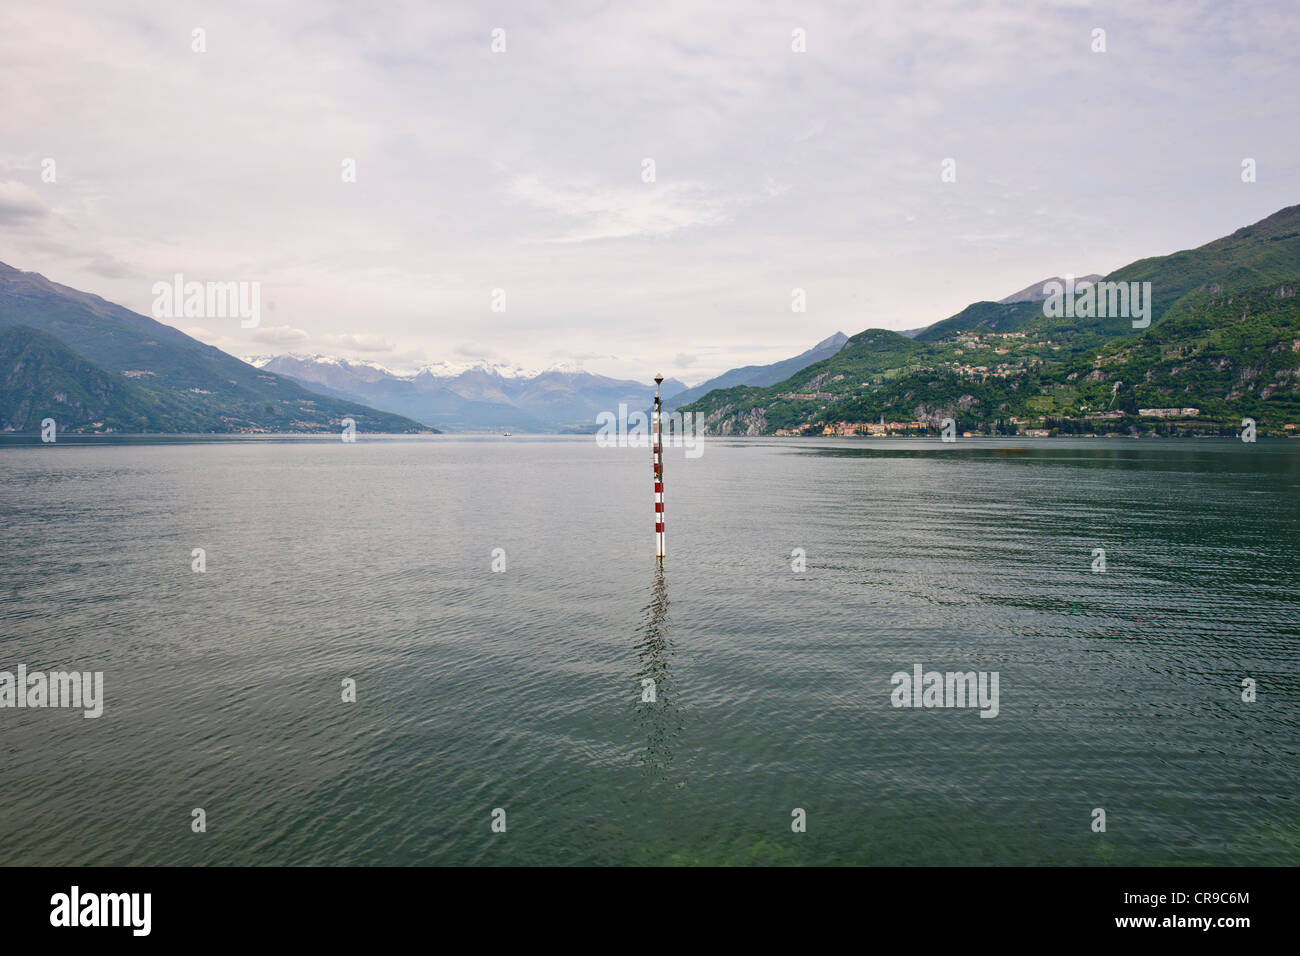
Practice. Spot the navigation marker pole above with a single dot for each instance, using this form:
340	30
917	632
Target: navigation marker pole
656	425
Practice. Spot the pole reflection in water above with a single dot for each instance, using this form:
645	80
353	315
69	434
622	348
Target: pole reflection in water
657	710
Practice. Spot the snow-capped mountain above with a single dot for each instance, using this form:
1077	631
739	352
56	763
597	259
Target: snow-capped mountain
502	370
476	396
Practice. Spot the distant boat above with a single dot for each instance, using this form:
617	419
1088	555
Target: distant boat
505	434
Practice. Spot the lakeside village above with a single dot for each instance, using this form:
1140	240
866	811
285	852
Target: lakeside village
1111	423
1148	423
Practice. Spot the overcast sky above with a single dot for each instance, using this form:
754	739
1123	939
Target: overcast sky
523	170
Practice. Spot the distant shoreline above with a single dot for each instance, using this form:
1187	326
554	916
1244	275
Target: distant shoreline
24	440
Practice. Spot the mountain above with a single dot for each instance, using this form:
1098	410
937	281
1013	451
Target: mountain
1230	355
41	378
760	375
1035	293
478	397
177	384
1252	257
422	397
873	356
1224	340
563	399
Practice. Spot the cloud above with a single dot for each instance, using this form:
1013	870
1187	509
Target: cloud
361	343
776	169
649	210
282	335
19	202
478	352
813	130
110	267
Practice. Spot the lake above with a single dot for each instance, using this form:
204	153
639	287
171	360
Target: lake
521	689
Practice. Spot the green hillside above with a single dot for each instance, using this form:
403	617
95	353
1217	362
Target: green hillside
191	386
990	316
1221	341
1229	355
40	378
1251	257
868	358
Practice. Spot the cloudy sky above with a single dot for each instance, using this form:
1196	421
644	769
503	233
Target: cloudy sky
524	170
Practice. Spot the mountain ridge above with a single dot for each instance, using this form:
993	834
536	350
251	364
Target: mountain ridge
191	386
1003	367
478	398
760	375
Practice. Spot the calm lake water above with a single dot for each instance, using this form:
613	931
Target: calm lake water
522	690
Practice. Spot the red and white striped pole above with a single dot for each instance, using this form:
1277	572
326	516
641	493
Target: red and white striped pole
657	428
